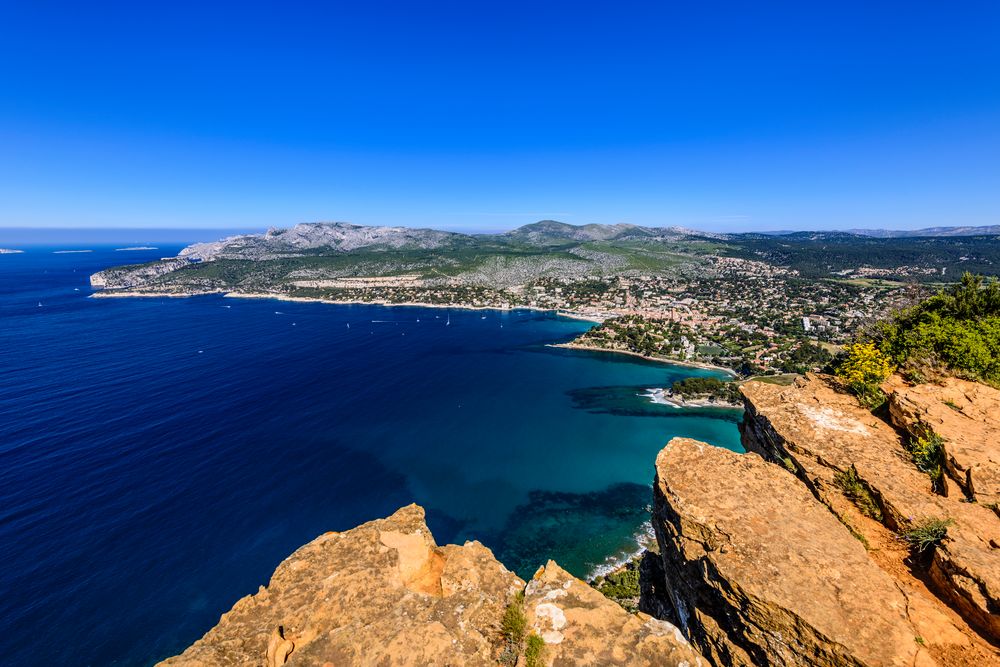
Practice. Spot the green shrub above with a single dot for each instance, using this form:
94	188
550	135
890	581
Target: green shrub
926	534
957	329
534	651
713	387
858	493
621	584
514	623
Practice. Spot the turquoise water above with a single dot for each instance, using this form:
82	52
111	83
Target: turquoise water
159	457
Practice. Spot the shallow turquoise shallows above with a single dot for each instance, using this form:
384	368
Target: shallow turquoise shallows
159	457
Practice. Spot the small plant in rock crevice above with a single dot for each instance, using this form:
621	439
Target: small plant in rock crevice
856	491
927	533
927	452
858	536
534	651
513	628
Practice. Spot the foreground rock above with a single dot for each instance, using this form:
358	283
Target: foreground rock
385	594
762	573
380	593
966	416
821	434
582	627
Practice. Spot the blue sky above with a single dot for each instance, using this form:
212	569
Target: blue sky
488	115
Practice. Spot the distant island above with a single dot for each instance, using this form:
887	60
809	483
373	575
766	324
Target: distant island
755	303
137	247
10	251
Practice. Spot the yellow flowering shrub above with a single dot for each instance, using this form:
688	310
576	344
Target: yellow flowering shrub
863	369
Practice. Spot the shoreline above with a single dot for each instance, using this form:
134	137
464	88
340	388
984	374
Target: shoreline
643	537
662	397
401	304
104	293
676	362
108	294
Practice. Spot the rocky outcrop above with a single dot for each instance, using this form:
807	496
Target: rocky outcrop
822	435
383	591
139	275
966	416
335	237
385	594
582	627
760	572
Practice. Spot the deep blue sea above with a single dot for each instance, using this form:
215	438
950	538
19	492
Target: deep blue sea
159	457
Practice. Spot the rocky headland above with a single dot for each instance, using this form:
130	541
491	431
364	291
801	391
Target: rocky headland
825	544
385	594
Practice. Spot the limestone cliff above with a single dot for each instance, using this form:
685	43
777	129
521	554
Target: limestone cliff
128	277
762	573
385	594
842	480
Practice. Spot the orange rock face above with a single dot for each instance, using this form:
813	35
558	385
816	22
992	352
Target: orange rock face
966	415
821	433
763	573
385	594
582	627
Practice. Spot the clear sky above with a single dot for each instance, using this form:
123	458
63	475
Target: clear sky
487	115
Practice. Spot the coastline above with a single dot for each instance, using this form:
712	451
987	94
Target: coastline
107	294
104	293
661	397
662	360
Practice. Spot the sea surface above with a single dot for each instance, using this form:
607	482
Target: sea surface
159	457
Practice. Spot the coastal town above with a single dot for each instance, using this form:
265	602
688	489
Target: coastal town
747	316
751	317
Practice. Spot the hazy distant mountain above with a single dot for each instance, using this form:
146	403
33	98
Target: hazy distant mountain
987	230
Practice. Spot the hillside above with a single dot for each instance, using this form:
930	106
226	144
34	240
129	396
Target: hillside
281	259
